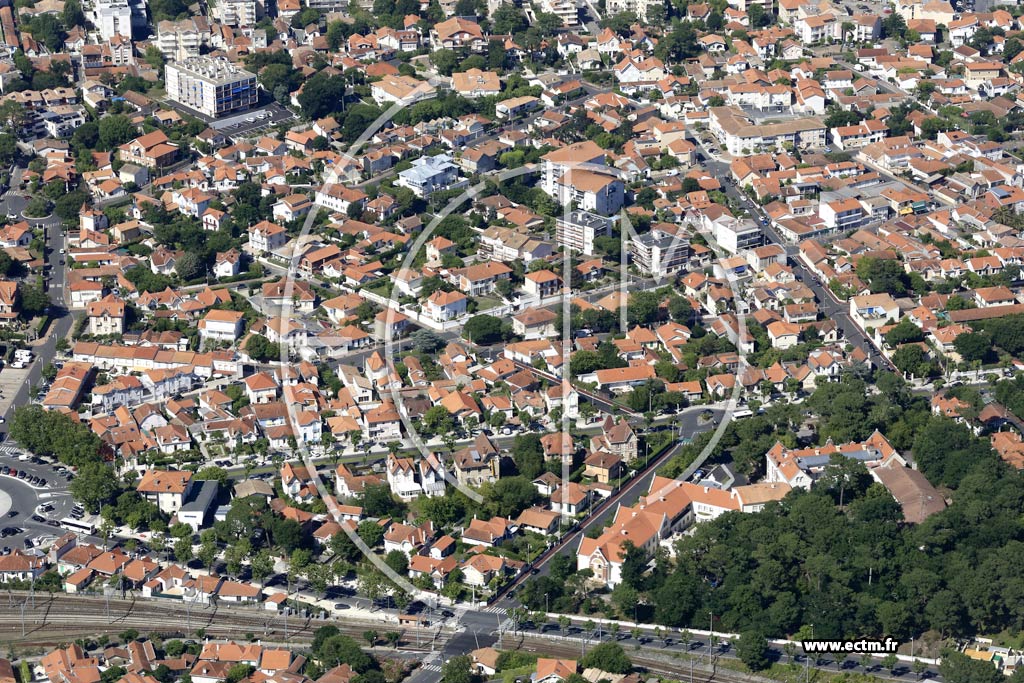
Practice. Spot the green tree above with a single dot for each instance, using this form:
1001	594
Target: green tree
341	649
608	657
322	95
262	349
753	650
115	130
509	496
457	670
398	562
371	533
94	485
72	14
528	455
974	346
904	332
183	550
444	61
485	329
262	566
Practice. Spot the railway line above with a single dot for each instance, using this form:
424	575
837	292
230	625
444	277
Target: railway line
656	664
64	618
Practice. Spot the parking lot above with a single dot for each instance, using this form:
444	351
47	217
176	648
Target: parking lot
254	122
30	511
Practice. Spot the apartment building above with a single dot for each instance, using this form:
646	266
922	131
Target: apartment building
112	18
860	135
578	230
238	12
560	161
638	7
841	215
179	40
741	136
734	234
212	86
601	193
658	253
566	10
106	316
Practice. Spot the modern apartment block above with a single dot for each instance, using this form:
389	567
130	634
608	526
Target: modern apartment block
239	12
658	253
112	18
180	40
212	86
578	230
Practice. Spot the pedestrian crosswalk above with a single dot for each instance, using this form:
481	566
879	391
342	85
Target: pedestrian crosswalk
494	609
432	667
7	449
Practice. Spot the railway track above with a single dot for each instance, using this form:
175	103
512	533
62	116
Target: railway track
64	618
657	664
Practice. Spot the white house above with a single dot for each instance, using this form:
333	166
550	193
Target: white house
221	325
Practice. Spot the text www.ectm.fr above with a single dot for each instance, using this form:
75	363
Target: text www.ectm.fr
861	646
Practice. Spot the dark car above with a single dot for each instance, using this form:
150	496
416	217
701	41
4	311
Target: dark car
42	482
38	518
12	513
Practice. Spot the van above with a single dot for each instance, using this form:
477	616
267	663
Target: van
742	412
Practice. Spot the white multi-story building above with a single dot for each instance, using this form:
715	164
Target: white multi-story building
112	18
408	479
212	86
638	7
658	253
734	234
238	12
560	161
601	193
566	10
179	40
579	229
